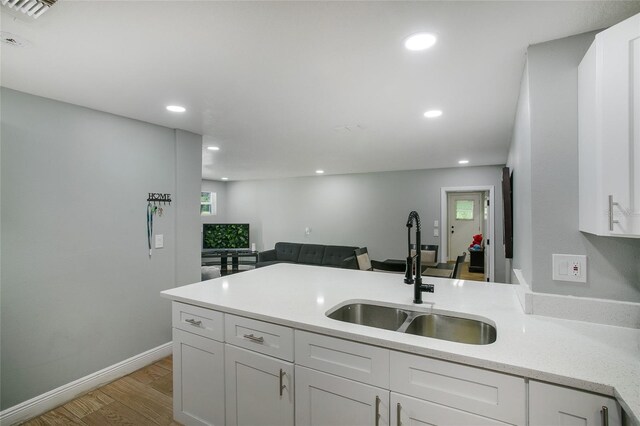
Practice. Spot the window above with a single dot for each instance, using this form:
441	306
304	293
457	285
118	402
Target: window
207	203
464	209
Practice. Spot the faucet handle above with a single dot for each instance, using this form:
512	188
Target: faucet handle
429	288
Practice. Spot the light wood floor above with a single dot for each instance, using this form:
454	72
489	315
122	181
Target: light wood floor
144	397
472	276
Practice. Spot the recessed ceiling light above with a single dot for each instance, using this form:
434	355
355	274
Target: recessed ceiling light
433	113
176	108
319	172
225	178
420	41
213	148
463	162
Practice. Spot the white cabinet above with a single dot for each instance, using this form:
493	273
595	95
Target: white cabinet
259	388
239	371
406	410
198	379
325	399
557	405
356	361
451	393
609	132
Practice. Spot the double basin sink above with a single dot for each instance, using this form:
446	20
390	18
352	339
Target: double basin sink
402	320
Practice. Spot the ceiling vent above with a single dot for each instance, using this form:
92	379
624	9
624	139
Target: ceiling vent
33	8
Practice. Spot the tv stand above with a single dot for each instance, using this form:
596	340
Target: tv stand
221	258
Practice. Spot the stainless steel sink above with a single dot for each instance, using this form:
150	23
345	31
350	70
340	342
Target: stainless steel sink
451	328
435	325
372	315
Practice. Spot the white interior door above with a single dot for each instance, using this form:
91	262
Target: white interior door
465	219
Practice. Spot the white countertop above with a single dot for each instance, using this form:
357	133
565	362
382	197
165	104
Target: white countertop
598	358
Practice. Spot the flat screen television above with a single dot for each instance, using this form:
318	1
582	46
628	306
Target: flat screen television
225	236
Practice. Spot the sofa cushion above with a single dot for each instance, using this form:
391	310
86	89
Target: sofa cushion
336	255
288	252
311	254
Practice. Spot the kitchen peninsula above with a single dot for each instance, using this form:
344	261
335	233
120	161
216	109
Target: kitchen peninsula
274	318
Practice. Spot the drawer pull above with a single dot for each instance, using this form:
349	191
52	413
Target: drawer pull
605	416
254	338
377	410
398	410
282	385
194	322
611	204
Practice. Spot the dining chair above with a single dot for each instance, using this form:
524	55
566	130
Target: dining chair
458	267
429	252
362	259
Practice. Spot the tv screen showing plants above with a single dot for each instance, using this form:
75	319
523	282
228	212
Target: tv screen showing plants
225	236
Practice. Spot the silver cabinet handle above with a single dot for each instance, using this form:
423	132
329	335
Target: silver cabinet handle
398	410
611	204
282	385
194	322
254	338
377	410
605	416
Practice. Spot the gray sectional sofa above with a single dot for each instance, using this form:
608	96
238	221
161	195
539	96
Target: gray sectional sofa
309	254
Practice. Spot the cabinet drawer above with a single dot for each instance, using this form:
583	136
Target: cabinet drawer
364	363
409	411
196	320
487	393
263	337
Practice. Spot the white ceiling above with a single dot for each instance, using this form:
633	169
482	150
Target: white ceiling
274	84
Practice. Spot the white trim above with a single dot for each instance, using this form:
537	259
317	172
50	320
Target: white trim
65	393
525	295
444	229
600	311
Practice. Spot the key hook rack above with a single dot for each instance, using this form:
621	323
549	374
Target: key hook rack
155	197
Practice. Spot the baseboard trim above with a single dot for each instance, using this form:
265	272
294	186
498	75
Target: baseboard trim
65	393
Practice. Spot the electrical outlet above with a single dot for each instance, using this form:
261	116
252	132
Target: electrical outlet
436	232
159	241
569	267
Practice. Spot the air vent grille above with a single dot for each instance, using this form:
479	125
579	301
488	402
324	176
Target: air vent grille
33	8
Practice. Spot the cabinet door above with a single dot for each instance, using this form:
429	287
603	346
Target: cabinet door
259	389
323	399
557	405
198	379
411	411
619	50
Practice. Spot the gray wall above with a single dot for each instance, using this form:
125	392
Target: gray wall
220	188
367	209
188	177
611	262
519	163
79	290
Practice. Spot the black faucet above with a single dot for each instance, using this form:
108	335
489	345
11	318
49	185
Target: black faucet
418	287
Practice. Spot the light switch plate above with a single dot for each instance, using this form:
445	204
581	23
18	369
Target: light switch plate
569	267
159	241
436	223
436	232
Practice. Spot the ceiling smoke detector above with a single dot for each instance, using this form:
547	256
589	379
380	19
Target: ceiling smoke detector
33	8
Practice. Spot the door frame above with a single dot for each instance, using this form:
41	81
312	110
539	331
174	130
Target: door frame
444	226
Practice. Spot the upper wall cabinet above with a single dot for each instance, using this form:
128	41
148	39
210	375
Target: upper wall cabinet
609	132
